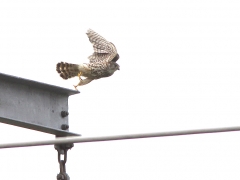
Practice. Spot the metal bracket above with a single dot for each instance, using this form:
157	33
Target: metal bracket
62	150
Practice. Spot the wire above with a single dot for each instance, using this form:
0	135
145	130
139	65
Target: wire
77	139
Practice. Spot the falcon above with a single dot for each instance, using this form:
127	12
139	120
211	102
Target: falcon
102	63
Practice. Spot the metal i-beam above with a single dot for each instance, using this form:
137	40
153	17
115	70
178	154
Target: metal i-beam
34	105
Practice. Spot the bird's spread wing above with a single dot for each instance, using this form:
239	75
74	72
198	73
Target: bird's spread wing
103	50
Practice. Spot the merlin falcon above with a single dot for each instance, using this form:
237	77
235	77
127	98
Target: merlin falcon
102	63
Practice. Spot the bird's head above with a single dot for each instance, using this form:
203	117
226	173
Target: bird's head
114	66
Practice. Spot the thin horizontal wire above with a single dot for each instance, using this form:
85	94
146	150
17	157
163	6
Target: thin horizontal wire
77	139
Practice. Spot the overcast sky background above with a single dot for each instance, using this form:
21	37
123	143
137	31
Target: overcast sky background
179	65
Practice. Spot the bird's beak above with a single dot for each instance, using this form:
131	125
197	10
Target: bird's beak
118	67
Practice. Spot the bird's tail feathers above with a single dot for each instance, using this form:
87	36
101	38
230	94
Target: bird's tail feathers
67	70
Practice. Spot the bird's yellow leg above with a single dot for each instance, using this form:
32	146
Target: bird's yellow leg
75	86
82	82
79	75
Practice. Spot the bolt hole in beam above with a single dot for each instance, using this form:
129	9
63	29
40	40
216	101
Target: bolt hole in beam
78	139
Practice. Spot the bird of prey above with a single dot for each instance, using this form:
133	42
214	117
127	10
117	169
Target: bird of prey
102	63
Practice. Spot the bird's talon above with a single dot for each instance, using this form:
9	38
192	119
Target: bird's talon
75	87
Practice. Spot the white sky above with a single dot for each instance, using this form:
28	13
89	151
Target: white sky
179	70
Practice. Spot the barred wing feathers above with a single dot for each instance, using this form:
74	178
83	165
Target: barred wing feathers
103	50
